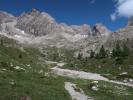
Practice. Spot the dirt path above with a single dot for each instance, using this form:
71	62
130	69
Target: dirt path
77	74
121	83
75	92
85	75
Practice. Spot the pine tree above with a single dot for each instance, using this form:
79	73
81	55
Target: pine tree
102	52
114	53
79	56
97	56
1	42
92	54
118	50
20	56
125	50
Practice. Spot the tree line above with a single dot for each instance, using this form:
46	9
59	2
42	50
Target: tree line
118	51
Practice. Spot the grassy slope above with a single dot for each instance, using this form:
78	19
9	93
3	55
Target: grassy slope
107	91
30	82
108	67
15	84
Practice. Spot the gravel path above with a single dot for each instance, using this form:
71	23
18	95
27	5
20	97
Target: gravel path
75	92
77	74
84	75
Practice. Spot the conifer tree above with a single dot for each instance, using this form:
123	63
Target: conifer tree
102	52
92	54
118	50
79	56
125	50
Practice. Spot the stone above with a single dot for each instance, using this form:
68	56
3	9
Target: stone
94	88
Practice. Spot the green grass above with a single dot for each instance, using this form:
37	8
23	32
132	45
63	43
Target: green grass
107	91
14	84
33	85
28	82
106	67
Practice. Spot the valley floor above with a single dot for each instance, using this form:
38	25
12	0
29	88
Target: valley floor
26	74
70	87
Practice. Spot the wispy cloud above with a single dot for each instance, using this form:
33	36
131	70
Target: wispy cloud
124	8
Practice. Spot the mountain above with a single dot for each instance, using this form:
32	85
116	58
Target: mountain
35	21
48	31
41	29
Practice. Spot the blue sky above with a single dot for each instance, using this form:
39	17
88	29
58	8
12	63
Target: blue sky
69	11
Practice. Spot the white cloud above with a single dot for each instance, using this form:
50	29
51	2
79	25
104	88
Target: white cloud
124	8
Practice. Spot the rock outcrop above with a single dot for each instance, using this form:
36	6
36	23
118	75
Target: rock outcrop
100	30
130	22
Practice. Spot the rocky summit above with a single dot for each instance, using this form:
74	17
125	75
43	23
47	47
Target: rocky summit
37	27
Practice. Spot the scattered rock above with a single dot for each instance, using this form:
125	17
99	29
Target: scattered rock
124	73
3	69
47	74
99	66
28	65
130	80
94	88
11	64
12	82
94	85
19	68
125	81
41	71
26	98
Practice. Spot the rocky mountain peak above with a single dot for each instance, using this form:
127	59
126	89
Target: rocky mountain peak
5	17
99	30
34	12
36	23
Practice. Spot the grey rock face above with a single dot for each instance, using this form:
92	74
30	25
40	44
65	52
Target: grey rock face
36	23
40	28
47	31
39	24
130	22
83	29
5	17
123	33
100	30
